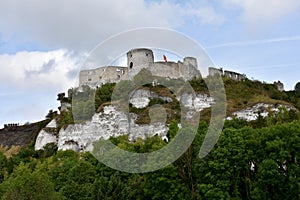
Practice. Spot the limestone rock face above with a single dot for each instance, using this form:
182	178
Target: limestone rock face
106	124
148	131
52	124
203	101
141	98
196	102
262	109
46	135
114	123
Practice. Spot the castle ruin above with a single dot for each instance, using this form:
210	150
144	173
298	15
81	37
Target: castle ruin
234	75
11	125
212	71
138	59
279	85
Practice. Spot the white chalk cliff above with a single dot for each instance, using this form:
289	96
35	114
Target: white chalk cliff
46	135
262	109
114	123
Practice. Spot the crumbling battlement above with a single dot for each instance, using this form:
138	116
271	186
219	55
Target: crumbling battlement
102	75
279	85
234	75
11	125
212	71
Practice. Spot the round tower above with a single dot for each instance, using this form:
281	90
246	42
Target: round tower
138	59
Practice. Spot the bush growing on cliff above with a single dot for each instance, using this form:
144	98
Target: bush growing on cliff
104	94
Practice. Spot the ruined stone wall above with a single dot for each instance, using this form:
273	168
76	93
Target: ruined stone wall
212	71
174	70
279	85
233	75
189	68
102	75
11	125
164	69
138	59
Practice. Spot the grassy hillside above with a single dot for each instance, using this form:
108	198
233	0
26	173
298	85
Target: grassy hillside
21	135
256	160
239	95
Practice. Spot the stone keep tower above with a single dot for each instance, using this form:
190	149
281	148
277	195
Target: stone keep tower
137	59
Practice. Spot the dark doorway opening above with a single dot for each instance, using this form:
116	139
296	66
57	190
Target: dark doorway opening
131	65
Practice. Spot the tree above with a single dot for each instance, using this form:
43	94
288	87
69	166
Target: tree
80	179
51	114
3	166
297	89
24	184
165	184
48	150
104	94
60	96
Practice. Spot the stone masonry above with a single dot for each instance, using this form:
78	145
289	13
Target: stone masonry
138	59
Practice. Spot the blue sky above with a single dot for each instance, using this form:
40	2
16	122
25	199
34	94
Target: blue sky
44	43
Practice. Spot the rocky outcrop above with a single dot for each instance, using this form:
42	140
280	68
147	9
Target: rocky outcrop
196	102
46	135
106	124
141	98
262	109
114	123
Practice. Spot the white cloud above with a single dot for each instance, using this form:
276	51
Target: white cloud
30	81
259	13
38	70
255	42
77	24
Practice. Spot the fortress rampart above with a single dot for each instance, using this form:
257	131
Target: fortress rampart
99	76
138	59
229	74
212	71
